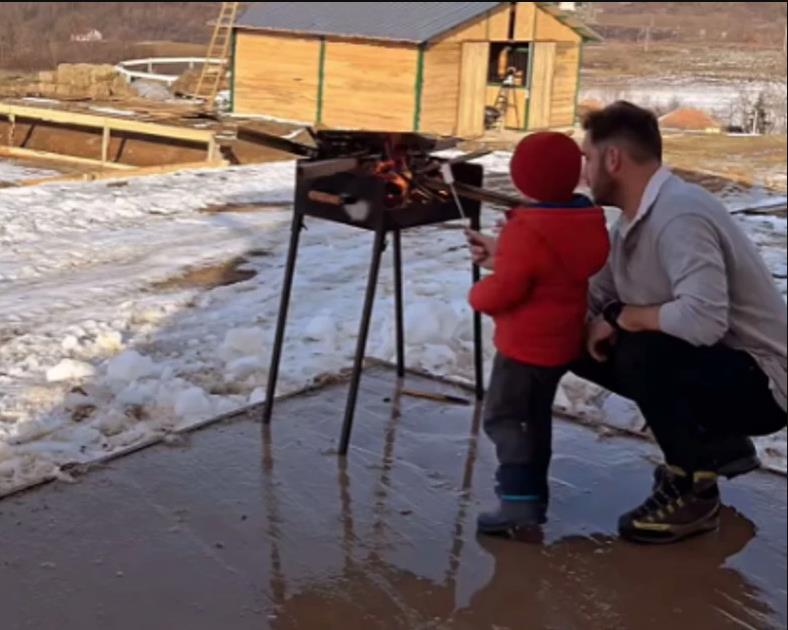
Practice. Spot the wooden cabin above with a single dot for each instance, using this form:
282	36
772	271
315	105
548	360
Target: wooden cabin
447	68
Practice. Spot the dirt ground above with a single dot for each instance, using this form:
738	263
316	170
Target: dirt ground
206	278
234	527
613	60
715	161
746	160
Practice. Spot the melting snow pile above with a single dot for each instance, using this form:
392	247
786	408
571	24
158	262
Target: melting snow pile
96	357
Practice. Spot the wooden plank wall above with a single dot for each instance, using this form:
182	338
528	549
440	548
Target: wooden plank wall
565	77
524	26
373	86
498	24
443	68
549	29
492	26
542	85
276	76
370	86
440	100
473	88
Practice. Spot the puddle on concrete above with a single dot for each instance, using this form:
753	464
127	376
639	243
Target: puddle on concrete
240	528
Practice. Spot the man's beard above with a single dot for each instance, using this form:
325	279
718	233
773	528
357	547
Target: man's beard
604	190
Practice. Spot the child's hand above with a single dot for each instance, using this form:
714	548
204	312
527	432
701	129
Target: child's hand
601	338
482	248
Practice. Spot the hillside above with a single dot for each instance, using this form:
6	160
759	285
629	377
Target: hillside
727	41
124	24
759	24
23	45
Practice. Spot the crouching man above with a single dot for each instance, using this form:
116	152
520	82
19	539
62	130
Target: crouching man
685	320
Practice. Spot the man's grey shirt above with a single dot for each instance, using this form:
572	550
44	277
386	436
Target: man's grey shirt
685	252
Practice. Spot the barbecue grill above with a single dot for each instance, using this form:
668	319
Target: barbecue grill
384	183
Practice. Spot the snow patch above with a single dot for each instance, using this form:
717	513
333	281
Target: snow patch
79	265
70	370
131	366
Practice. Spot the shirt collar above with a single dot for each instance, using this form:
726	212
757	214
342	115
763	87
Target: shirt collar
650	196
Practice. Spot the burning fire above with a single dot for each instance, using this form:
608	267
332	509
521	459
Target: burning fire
398	179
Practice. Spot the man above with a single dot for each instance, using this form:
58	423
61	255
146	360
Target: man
685	320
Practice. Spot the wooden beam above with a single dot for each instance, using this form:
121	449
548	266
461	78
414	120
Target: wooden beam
124	174
17	152
213	154
43	114
11	129
105	139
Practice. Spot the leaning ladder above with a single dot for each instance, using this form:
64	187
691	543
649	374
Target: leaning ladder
215	66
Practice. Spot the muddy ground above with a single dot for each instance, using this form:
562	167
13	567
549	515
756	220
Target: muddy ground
239	529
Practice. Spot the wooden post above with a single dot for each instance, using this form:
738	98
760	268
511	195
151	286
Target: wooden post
105	139
11	129
212	150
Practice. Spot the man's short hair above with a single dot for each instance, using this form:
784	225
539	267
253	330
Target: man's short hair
623	121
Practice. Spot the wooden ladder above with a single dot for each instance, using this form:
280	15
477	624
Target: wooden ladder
506	101
218	56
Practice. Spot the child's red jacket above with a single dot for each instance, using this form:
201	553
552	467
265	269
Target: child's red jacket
538	294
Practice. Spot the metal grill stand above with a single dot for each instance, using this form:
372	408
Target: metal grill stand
381	221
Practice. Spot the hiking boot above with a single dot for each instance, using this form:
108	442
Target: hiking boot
680	506
513	515
731	456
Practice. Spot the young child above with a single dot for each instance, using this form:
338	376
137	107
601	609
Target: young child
545	256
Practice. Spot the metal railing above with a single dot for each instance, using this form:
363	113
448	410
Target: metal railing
127	68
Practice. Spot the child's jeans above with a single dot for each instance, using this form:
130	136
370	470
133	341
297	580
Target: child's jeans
518	419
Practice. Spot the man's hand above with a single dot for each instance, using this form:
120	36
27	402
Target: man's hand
482	248
601	337
637	319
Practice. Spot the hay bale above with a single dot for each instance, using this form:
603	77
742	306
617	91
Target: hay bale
99	91
64	73
70	92
103	73
47	76
45	90
120	87
187	82
77	75
74	75
63	90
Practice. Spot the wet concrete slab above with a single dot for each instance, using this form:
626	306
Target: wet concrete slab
241	529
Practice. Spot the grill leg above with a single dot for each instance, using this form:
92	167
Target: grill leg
478	350
398	299
366	317
276	355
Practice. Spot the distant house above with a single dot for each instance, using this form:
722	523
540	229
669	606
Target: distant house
88	36
690	119
434	67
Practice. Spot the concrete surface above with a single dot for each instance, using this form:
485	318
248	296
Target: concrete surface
237	529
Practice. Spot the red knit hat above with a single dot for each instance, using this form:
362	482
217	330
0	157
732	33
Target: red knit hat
546	166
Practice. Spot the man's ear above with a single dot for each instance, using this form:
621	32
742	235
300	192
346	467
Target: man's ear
613	159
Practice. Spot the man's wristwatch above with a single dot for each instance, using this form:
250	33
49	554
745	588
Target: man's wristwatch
612	313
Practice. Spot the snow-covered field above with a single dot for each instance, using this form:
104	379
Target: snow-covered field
95	356
723	99
11	172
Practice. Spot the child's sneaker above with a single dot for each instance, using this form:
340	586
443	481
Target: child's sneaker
513	515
